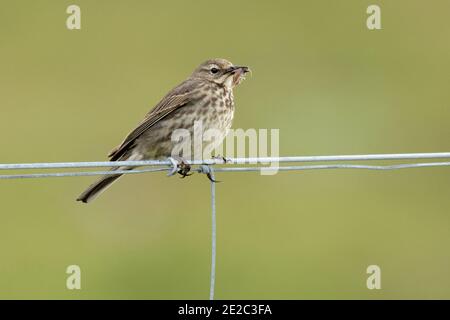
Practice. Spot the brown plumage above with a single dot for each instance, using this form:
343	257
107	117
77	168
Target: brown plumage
206	96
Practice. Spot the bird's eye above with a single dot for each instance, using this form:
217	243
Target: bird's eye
214	70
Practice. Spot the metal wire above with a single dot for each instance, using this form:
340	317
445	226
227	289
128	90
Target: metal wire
78	174
205	166
163	165
336	166
213	235
261	160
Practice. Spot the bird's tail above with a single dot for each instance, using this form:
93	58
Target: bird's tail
98	187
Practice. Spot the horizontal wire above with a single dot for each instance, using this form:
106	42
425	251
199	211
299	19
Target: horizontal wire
335	166
78	174
260	160
235	169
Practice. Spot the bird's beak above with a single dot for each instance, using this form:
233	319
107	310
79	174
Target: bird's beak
238	73
239	69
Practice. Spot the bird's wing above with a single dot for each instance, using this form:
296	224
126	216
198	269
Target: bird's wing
175	99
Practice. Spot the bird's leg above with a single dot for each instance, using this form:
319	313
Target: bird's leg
179	165
184	169
219	157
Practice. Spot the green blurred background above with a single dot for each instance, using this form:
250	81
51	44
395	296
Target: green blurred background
319	75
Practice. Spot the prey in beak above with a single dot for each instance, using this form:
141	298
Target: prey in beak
238	73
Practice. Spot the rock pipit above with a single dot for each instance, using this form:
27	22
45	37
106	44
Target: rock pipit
205	97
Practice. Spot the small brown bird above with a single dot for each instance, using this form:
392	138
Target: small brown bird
206	96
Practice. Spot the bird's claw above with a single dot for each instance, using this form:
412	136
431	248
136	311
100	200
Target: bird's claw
179	166
184	169
219	157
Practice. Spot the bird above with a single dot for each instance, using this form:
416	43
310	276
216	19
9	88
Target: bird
206	96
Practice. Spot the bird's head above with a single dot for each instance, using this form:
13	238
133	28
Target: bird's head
221	71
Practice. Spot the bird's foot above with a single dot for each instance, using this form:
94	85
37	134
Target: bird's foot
219	157
179	165
184	169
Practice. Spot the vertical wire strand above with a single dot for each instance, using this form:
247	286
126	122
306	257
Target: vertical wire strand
213	235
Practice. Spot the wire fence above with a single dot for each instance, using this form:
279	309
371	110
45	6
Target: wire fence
212	166
162	165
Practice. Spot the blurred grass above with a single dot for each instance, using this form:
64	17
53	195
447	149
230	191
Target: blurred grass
330	86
